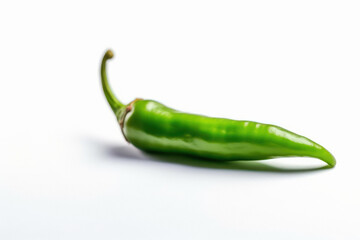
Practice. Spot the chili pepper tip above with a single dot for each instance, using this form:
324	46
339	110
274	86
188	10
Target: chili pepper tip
109	54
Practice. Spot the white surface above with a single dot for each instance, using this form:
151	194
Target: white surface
67	173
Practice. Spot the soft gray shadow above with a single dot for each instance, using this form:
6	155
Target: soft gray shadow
121	152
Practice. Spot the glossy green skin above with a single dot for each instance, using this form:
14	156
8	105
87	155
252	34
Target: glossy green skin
152	126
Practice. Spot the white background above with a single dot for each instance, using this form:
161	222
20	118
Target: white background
67	173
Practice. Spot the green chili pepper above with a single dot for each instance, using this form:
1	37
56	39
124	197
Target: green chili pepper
151	126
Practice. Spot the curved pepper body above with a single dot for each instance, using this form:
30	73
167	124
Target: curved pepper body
151	126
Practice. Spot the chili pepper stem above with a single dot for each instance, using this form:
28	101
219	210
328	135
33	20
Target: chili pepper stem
114	103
